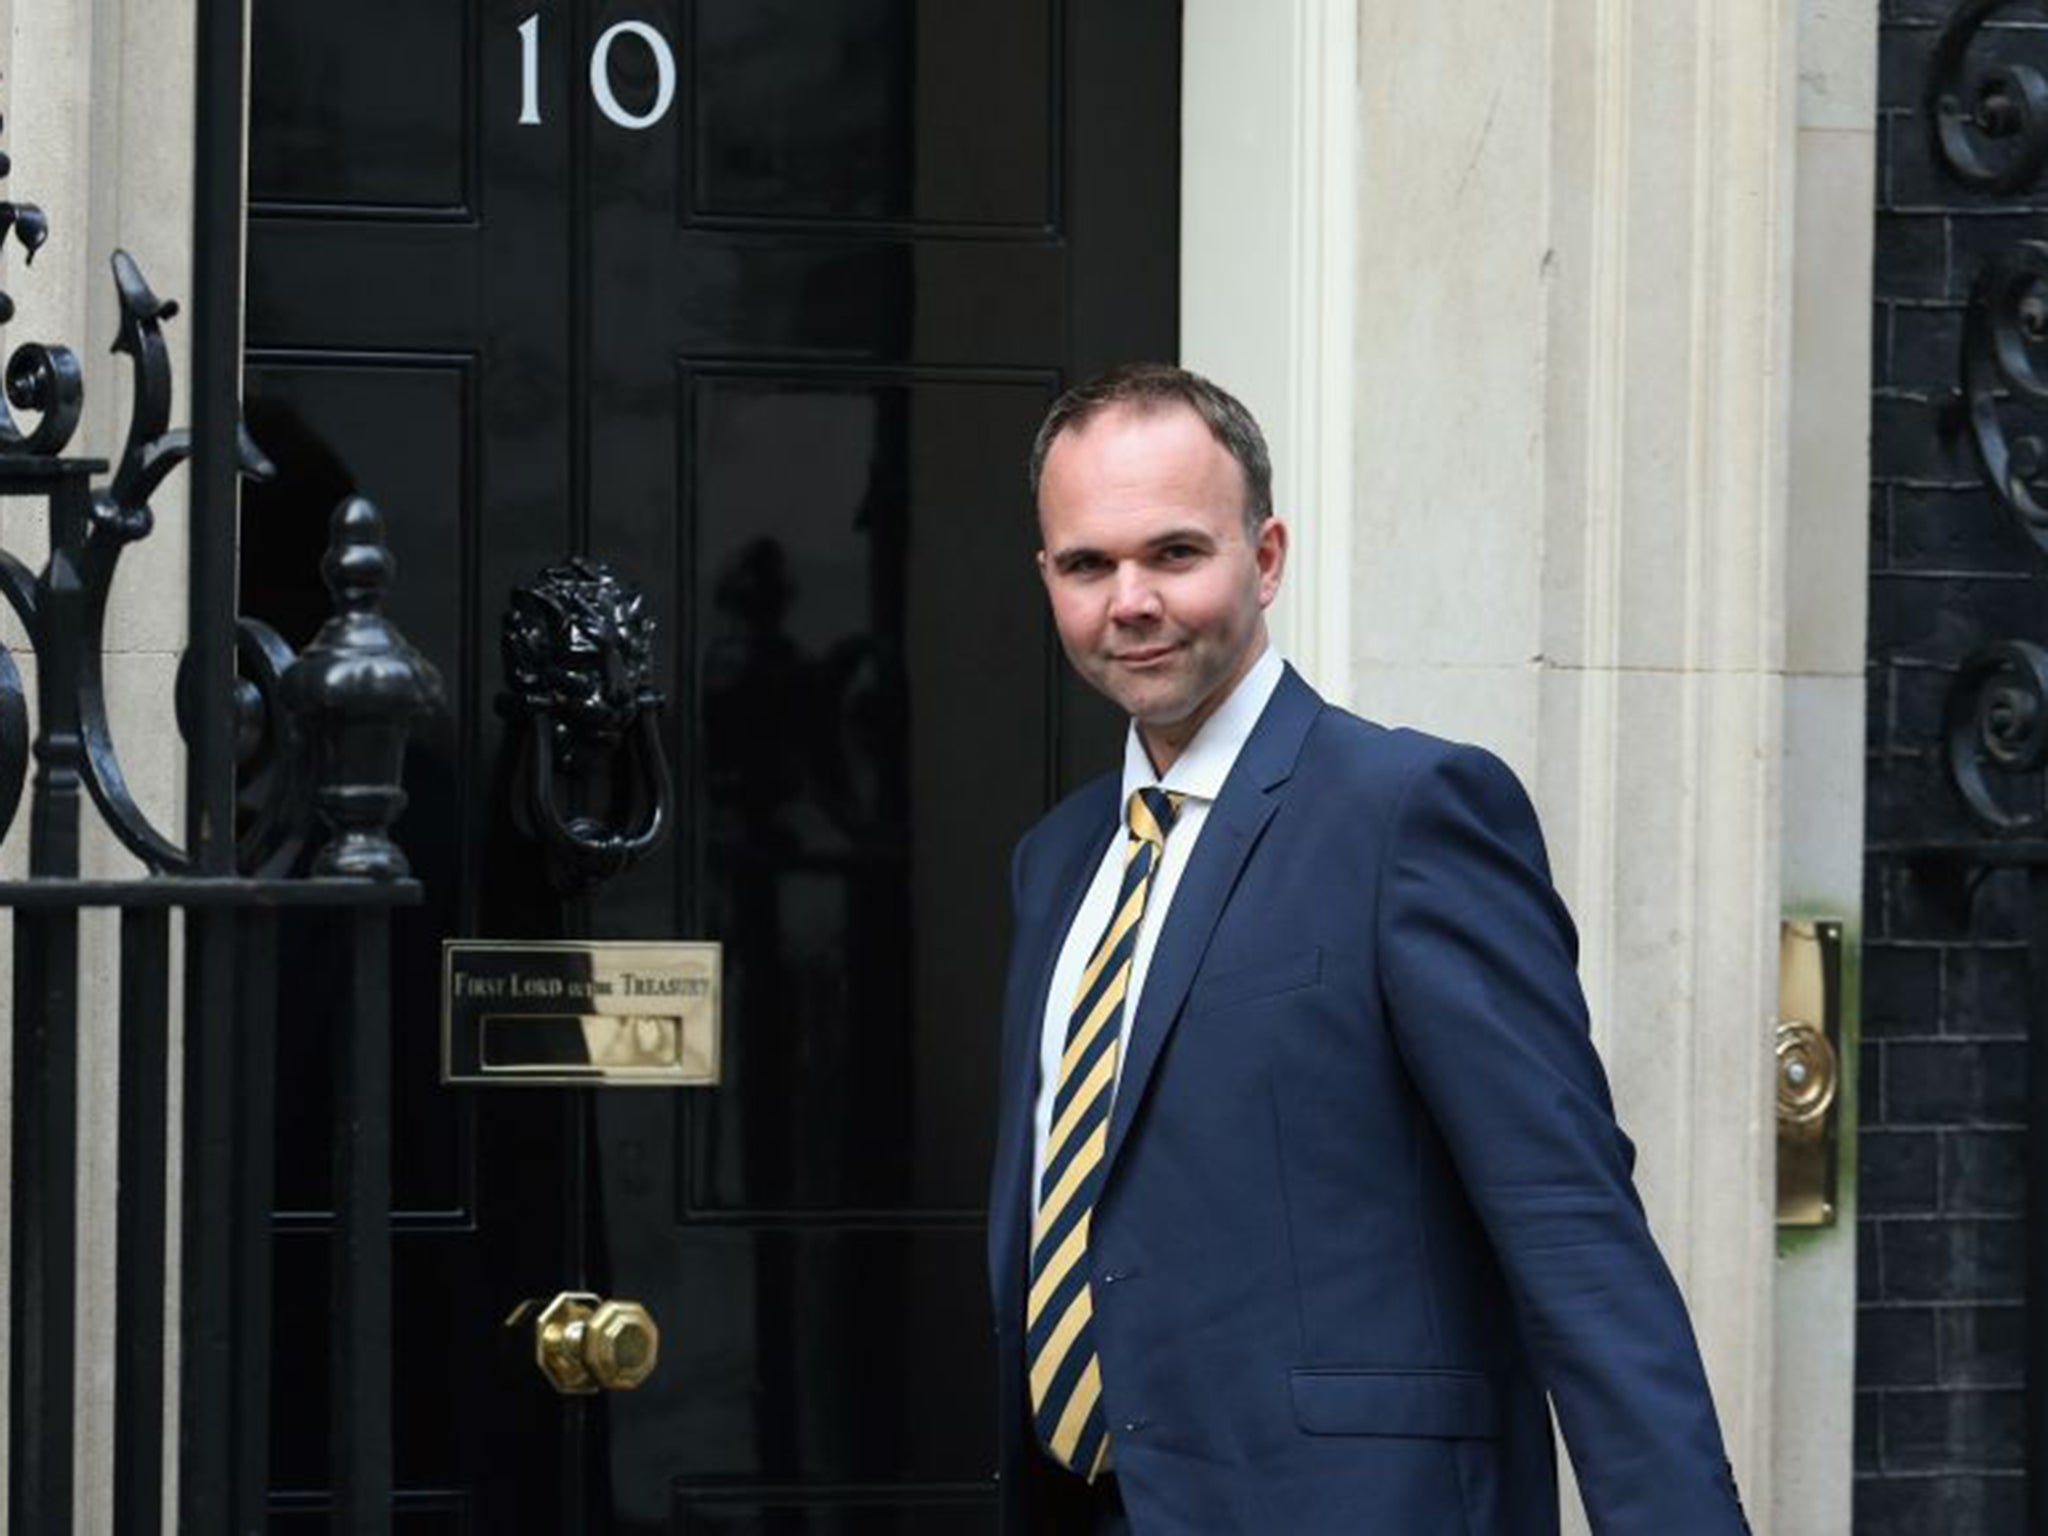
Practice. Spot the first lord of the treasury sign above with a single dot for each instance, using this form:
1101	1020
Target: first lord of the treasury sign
560	1013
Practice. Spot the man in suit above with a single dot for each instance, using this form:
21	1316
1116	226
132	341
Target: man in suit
1308	1194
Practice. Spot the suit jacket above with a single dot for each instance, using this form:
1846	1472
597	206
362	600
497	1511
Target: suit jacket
1366	1204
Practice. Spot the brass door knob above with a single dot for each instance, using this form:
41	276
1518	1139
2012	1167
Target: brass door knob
584	1344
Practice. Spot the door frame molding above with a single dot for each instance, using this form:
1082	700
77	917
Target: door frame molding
1269	277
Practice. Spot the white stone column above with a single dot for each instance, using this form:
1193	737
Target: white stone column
1565	528
1611	302
1570	536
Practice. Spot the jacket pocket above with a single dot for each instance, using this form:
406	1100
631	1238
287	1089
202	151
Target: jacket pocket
1425	1404
1262	978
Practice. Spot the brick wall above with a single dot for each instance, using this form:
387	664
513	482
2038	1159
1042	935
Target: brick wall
1938	1371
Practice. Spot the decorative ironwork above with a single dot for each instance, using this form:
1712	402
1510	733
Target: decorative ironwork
357	690
39	378
1997	720
578	648
1988	117
271	789
2005	376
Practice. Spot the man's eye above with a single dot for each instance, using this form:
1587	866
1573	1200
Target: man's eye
1179	554
1085	565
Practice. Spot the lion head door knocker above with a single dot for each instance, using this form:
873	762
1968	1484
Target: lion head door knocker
591	784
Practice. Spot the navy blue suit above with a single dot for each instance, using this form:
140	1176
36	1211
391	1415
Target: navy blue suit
1366	1203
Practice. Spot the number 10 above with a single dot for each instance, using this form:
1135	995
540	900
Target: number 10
600	73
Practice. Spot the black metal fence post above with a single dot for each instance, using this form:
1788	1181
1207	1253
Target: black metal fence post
140	1296
44	1235
360	1410
214	1481
217	217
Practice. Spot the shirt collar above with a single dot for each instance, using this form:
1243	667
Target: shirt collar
1200	770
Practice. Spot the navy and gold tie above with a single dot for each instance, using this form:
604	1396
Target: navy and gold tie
1066	1377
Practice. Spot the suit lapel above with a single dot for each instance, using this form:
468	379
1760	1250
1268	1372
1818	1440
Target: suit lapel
1012	1195
1075	872
1251	794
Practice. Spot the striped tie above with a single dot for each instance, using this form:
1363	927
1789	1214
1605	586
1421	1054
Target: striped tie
1066	1377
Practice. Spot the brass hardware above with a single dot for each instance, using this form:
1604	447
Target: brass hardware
555	1013
1807	1078
1808	1034
584	1344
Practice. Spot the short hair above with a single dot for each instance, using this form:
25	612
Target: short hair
1148	387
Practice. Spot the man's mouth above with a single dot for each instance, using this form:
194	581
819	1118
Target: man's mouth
1144	656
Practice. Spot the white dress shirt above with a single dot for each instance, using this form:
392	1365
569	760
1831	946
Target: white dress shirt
1197	773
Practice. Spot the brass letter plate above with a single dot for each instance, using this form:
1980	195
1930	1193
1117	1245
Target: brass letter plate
560	1014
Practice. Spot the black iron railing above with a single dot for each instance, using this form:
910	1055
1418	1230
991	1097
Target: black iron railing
278	746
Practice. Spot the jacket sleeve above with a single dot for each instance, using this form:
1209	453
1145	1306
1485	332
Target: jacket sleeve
1479	972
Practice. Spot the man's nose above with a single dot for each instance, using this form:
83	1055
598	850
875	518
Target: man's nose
1135	599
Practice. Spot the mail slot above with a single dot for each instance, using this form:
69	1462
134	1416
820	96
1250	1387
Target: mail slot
556	1013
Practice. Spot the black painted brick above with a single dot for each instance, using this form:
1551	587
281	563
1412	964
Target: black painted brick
1880	526
1921	438
1926	900
1911	798
1869	1405
1961	1428
1980	1346
1946	619
1901	990
1964	531
1912	256
1925	348
1984	1172
1946	1504
1900	1173
1903	54
1976	241
1985	991
1879	686
1954	1082
1896	1347
1952	1259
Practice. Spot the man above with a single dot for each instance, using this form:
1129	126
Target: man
1308	1188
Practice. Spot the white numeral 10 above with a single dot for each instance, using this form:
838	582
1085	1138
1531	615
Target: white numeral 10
601	73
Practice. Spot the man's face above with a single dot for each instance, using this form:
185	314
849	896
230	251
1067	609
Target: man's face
1158	588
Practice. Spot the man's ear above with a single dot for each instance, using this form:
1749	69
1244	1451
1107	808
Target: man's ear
1044	571
1270	551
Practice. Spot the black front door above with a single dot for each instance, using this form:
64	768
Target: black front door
759	301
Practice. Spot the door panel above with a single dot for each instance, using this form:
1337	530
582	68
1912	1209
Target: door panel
777	356
886	111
